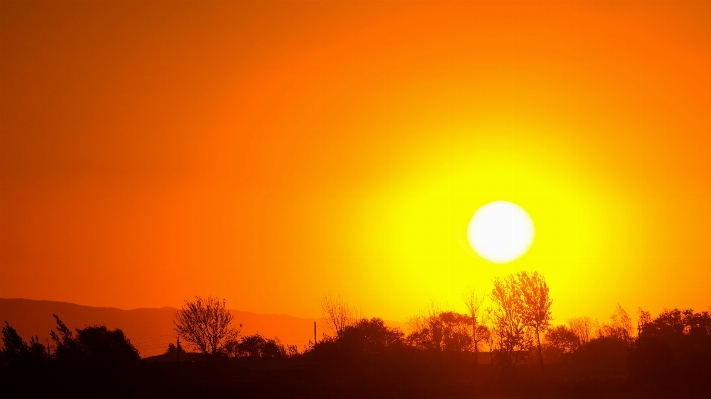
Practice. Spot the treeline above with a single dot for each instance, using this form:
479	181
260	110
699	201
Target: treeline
85	362
514	329
503	333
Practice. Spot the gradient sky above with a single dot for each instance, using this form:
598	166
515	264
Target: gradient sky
270	152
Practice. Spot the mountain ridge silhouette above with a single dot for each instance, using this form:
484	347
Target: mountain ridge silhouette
149	329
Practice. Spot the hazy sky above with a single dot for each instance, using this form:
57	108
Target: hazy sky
269	152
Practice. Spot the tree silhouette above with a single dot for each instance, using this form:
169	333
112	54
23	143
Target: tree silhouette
443	332
480	332
67	349
510	319
173	349
206	324
337	315
562	339
643	317
537	305
23	367
366	342
103	360
14	346
675	346
619	328
492	333
257	346
369	338
583	328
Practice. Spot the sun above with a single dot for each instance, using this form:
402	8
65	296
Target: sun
500	231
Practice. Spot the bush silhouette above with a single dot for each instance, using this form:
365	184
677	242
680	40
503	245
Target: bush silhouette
96	359
257	346
366	339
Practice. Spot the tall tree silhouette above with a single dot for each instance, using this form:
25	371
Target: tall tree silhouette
537	305
480	332
510	319
206	324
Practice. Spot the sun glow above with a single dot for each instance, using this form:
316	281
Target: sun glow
500	231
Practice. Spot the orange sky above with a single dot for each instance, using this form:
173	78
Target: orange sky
269	152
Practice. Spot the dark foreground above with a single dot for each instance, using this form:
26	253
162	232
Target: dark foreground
306	378
299	378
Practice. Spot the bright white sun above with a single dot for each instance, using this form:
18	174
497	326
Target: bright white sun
500	231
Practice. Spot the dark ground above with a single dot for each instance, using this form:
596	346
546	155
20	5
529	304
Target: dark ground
301	378
386	378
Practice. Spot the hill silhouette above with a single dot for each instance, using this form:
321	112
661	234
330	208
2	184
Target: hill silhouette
149	329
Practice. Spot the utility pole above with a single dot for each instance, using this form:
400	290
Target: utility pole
177	362
49	354
314	334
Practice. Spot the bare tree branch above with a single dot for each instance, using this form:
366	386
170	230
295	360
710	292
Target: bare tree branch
205	324
474	302
337	315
